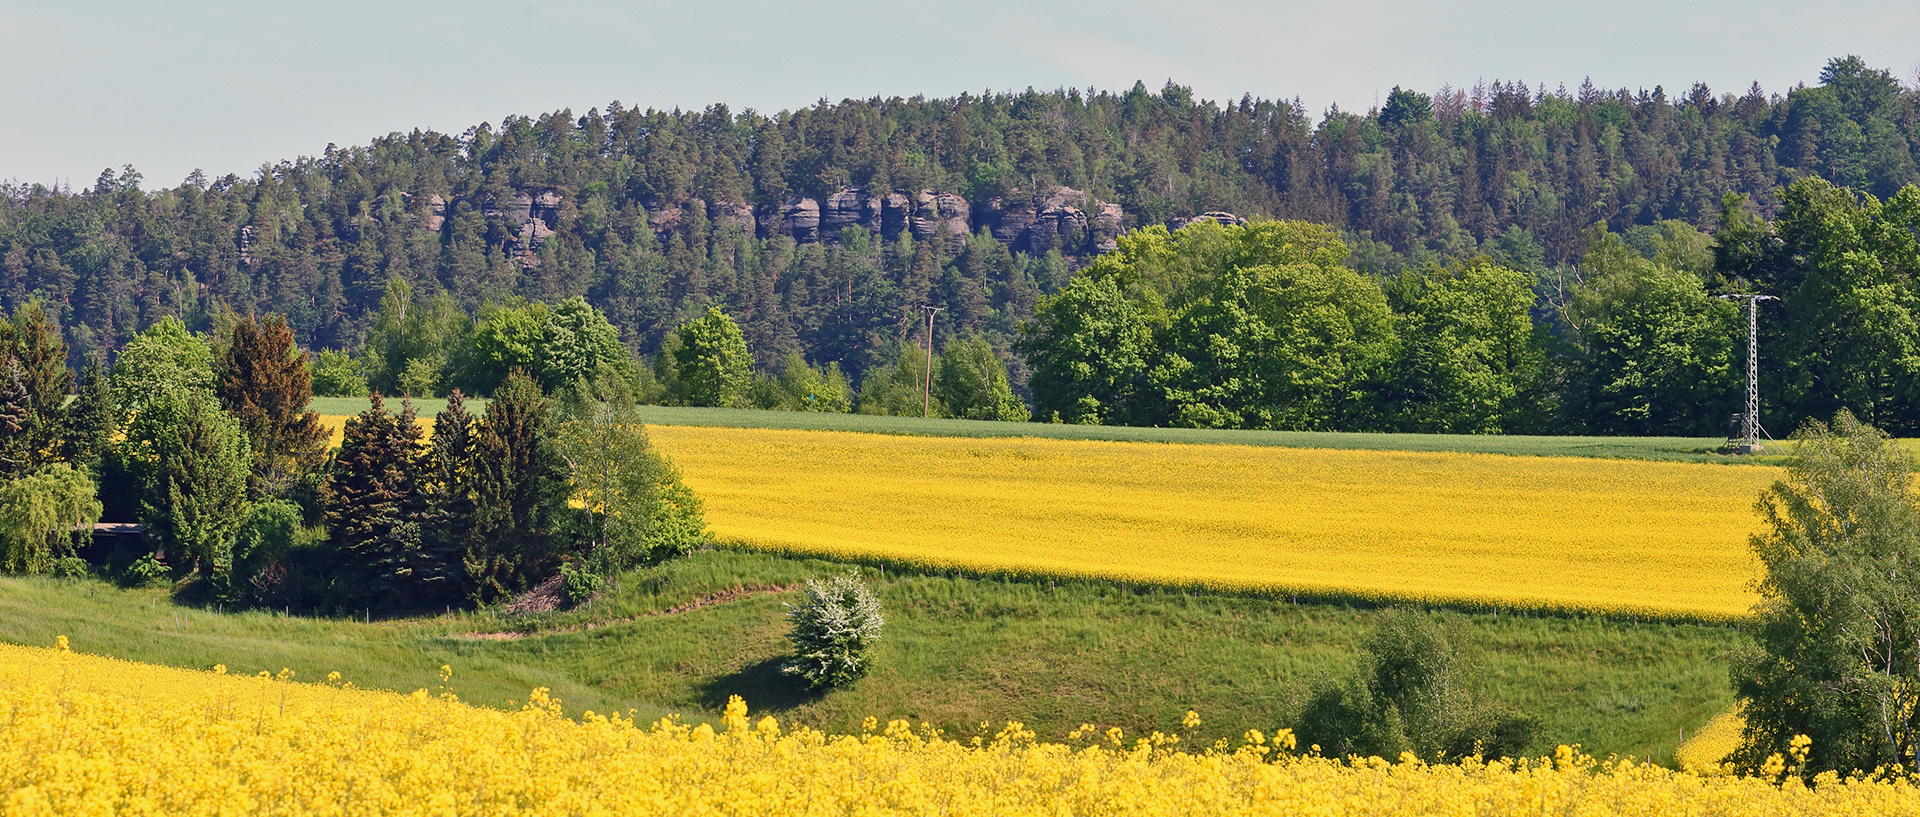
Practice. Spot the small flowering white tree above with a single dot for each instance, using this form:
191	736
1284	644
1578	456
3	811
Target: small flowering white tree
832	629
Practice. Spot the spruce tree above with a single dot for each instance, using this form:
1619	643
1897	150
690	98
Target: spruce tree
450	478
265	384
190	459
33	340
519	490
89	421
16	421
374	507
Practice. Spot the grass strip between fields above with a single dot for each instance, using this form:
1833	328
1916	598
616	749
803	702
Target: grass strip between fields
1680	449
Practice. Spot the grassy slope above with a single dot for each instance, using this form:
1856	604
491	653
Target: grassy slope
957	651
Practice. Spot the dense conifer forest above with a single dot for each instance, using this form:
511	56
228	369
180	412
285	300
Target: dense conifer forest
822	231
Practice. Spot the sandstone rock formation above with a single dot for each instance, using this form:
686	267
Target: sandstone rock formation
1055	217
851	207
1052	219
801	219
436	213
933	210
732	214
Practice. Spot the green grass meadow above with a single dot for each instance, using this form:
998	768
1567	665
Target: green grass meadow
957	652
965	653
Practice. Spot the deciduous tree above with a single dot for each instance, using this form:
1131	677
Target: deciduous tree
1655	354
165	358
634	508
972	383
191	461
712	360
1838	624
40	516
1470	355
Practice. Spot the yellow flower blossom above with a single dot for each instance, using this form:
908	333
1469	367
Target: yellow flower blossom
84	735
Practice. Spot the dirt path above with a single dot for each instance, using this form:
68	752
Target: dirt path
708	600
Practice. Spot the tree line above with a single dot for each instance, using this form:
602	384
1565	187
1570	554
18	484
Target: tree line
209	442
1267	326
639	211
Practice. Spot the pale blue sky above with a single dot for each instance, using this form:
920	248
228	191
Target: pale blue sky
227	86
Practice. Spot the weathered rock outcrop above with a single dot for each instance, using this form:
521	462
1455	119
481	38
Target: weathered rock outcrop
436	213
535	212
1052	219
933	210
801	219
724	213
851	207
1058	217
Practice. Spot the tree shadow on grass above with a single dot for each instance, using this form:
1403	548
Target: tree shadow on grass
761	685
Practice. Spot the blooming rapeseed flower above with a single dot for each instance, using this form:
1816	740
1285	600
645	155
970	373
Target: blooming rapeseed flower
82	734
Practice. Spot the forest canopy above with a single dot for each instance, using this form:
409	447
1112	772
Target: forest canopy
823	231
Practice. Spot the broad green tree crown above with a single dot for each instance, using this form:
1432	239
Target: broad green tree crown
712	360
1838	624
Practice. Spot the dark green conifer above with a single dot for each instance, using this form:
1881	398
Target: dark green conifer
89	420
520	488
374	507
451	474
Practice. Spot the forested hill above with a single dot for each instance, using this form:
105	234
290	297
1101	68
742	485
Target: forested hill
979	204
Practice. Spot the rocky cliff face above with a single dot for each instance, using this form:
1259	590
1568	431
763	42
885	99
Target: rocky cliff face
538	213
1059	218
1054	219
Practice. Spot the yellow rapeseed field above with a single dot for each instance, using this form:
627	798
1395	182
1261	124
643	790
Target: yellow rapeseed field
1618	536
1703	751
81	735
336	425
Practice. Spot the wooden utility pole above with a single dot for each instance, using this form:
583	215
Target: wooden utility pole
926	385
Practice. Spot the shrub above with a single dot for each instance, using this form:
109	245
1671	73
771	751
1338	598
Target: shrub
832	629
145	571
1413	692
580	581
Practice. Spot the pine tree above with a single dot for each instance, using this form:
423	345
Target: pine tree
519	489
265	384
374	506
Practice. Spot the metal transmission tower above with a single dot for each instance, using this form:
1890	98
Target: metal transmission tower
1750	421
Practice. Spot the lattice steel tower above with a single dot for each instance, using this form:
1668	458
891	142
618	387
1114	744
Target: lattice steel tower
1750	421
